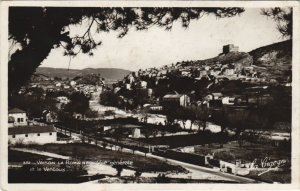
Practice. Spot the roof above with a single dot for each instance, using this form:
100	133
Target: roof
116	125
30	129
131	126
217	94
173	96
16	110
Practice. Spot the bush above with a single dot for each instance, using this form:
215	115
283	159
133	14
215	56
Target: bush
162	178
225	155
91	114
19	143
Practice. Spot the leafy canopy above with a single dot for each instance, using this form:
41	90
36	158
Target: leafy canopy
40	29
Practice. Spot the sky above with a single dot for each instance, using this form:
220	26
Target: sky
156	47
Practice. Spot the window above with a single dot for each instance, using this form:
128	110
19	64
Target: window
26	135
22	120
38	134
50	133
19	119
13	136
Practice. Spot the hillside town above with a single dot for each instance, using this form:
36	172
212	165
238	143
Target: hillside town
210	75
212	114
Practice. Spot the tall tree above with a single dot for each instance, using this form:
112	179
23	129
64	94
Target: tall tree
37	30
220	118
79	103
182	114
238	122
203	114
283	17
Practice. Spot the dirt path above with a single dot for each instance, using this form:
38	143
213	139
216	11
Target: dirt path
43	153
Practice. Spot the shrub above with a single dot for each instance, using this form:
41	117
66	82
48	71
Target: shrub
225	155
162	178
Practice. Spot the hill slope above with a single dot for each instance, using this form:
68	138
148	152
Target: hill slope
276	58
272	61
107	73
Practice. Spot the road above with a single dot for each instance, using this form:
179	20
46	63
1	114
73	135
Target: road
197	170
200	169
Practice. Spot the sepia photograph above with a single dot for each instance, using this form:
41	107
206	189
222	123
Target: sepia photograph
137	94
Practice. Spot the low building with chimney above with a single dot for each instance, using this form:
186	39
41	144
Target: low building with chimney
32	134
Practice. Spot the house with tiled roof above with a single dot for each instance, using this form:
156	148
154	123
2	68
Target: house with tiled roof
32	134
175	100
17	117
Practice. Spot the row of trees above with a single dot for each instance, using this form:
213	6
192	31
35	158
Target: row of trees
127	99
37	101
34	106
196	115
245	123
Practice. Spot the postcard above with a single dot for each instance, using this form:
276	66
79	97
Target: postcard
150	95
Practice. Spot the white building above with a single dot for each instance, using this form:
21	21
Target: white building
136	133
228	71
18	117
185	73
150	92
63	99
32	134
131	79
51	117
176	100
143	84
58	84
207	68
228	100
213	96
72	83
117	89
128	86
217	95
66	86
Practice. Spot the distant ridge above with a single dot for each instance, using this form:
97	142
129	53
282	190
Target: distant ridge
107	73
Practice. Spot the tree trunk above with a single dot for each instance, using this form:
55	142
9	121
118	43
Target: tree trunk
204	126
183	123
191	125
222	136
222	128
23	63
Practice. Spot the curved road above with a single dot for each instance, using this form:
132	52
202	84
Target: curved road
190	167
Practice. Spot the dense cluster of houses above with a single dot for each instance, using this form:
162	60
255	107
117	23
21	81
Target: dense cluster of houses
56	84
216	100
214	72
244	71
